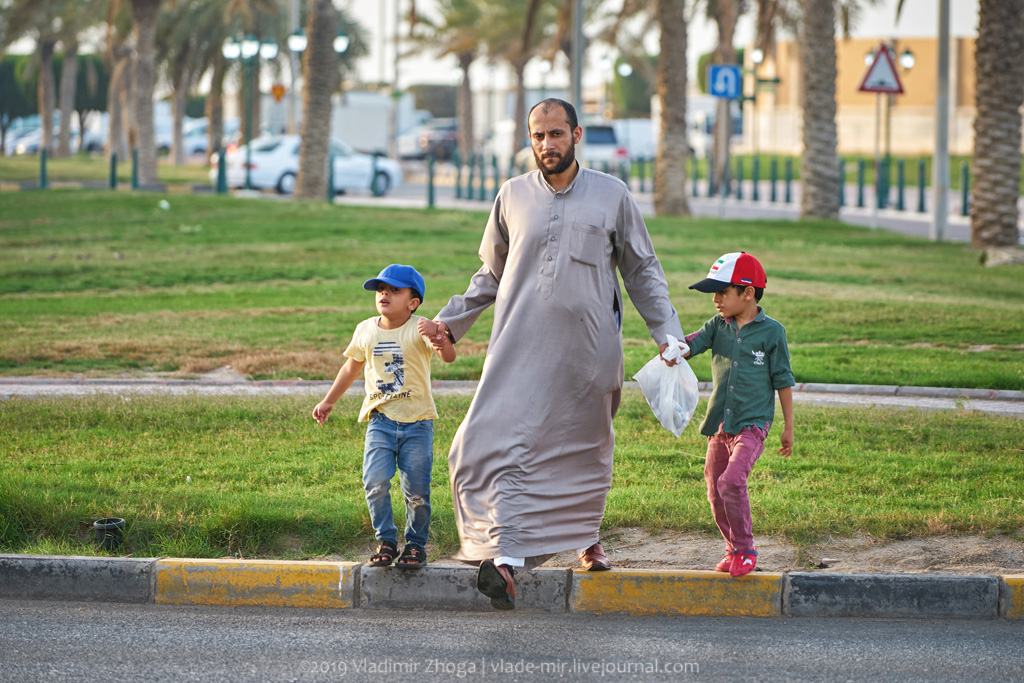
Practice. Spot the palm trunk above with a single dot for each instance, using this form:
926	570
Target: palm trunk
68	81
144	12
320	74
215	105
464	105
47	95
181	88
997	127
673	151
726	15
820	163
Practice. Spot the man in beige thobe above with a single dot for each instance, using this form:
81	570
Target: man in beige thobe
531	464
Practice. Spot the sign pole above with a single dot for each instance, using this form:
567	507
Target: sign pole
878	159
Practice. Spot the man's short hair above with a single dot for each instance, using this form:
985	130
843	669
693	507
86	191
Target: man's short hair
570	111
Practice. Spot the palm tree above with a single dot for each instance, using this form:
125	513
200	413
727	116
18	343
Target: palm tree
673	150
144	13
321	76
820	160
997	126
119	60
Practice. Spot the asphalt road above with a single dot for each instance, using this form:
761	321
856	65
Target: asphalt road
65	641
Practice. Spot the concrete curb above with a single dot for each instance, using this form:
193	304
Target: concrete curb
351	585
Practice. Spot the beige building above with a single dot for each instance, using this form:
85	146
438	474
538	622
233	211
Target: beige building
773	123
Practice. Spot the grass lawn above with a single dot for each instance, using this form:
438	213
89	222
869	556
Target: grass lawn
103	284
200	477
106	284
95	168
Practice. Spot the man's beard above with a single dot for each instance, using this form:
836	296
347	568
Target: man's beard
563	164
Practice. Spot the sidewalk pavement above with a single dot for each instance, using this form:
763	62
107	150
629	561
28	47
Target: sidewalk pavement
994	401
450	586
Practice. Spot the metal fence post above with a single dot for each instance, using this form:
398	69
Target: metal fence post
483	177
135	169
920	185
842	182
330	178
222	172
458	174
44	180
739	178
113	171
965	189
789	180
860	183
755	174
900	182
773	174
430	181
696	173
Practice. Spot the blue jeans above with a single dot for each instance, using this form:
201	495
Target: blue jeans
409	448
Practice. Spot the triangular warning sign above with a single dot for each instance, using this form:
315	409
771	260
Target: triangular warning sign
881	75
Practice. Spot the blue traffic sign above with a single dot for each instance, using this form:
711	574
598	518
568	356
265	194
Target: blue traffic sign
725	81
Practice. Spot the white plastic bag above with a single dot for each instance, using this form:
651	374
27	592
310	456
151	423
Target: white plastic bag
671	392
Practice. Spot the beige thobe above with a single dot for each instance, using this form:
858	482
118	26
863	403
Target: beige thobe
531	463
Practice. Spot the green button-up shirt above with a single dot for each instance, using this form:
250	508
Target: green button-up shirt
748	365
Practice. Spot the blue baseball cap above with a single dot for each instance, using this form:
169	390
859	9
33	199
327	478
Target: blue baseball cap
398	275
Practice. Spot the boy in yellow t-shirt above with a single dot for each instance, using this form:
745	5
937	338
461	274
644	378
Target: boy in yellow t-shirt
395	360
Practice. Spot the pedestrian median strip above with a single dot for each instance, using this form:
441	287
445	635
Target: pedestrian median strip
353	585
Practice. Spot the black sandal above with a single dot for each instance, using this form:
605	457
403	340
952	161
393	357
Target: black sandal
385	554
413	557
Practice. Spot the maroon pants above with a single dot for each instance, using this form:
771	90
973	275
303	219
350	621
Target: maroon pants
730	458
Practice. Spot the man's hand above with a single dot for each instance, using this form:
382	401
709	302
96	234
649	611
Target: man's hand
684	352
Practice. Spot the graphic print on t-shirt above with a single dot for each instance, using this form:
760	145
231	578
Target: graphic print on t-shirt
394	367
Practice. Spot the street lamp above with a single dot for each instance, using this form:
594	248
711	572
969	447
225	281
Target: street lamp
250	49
297	44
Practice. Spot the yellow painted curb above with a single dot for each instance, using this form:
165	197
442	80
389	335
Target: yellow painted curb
271	583
692	593
1013	597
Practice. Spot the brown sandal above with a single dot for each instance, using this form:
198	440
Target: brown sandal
385	554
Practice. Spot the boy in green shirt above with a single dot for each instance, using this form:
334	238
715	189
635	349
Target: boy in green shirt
749	363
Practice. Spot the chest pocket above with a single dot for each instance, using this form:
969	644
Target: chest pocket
587	244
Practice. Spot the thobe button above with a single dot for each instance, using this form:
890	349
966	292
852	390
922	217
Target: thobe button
556	216
553	239
728	410
738	340
730	388
734	363
549	258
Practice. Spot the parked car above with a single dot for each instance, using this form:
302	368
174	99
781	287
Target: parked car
275	163
600	148
439	137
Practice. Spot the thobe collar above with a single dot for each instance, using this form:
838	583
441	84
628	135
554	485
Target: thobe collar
567	188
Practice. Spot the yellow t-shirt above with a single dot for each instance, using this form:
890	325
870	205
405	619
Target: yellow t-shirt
396	370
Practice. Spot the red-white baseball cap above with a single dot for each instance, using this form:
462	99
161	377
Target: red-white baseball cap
737	268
